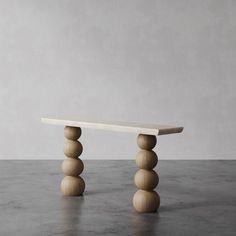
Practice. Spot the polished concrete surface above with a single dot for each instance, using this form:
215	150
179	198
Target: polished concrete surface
197	198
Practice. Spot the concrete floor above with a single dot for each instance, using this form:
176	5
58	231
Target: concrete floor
197	198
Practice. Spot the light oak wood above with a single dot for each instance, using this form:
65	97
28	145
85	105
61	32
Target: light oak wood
72	166
73	148
72	133
147	142
146	201
146	179
146	159
72	186
151	129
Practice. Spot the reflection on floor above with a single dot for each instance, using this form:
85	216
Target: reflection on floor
197	198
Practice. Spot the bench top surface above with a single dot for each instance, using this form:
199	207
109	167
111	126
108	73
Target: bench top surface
151	129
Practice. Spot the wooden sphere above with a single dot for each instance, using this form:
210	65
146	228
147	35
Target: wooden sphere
146	179
73	148
146	159
144	201
72	186
147	142
72	166
72	133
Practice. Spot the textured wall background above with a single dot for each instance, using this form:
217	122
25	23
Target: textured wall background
171	62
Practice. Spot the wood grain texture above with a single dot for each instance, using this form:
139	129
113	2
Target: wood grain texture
72	166
151	129
146	179
146	142
72	186
145	201
73	148
146	159
72	133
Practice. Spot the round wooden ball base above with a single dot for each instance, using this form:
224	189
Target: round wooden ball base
146	200
72	184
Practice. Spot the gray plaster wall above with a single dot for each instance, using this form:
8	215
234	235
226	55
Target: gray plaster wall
171	62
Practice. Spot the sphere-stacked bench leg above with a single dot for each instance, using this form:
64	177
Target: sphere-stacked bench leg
72	184
146	179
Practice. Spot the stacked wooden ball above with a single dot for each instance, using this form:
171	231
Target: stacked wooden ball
146	179
72	184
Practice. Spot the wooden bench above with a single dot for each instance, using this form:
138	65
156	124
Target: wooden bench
146	179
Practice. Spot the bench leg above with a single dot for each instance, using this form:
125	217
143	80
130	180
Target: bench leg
146	179
72	184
